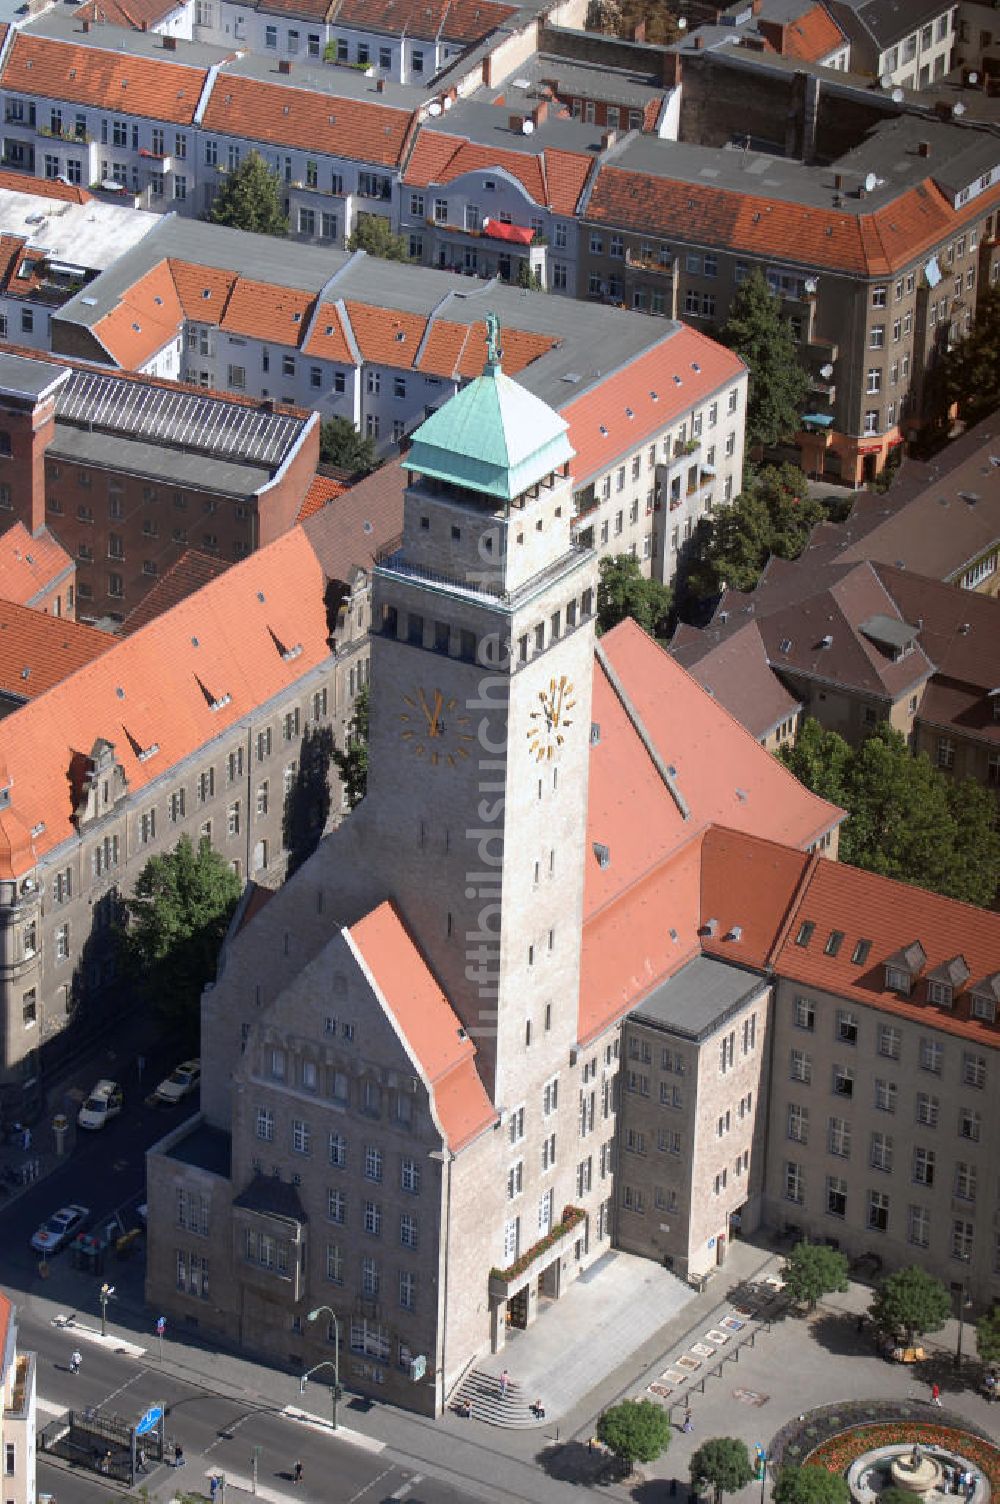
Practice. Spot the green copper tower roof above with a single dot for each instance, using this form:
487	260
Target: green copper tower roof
493	436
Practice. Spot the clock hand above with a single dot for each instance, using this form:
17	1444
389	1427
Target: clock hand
436	727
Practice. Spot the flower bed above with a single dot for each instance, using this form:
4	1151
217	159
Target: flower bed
570	1217
838	1452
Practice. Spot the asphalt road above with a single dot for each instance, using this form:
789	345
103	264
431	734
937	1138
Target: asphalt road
106	1171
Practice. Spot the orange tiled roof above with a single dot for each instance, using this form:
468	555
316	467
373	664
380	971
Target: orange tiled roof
872	244
451	20
147	318
430	1028
11	249
749	884
553	178
186	575
203	291
287	116
29	565
811	36
152	88
146	687
138	15
323	490
70	193
267	311
327	338
37	650
645	387
866	906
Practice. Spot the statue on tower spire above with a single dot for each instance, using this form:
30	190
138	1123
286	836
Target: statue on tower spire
494	353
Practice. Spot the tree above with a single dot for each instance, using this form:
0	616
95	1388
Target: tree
811	1485
177	918
911	1301
988	1336
352	762
340	444
636	1431
812	1270
724	1464
623	590
774	514
250	199
906	819
763	339
970	373
526	278
373	233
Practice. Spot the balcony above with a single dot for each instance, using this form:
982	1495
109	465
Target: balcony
71	135
160	161
647	264
555	1245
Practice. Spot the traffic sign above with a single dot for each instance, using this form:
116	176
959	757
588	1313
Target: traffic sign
150	1420
161	1325
418	1367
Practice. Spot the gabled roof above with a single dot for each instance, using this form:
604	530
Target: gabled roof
810	36
29	563
798	233
554	179
323	490
70	193
137	15
463	21
733	668
150	688
347	533
427	1024
38	651
186	575
155	89
284	115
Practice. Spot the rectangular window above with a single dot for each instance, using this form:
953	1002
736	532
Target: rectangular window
973	1069
889	1041
836	1196
885	1095
878	1211
931	1056
918	1226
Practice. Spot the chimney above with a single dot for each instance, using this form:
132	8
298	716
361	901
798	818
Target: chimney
284	66
170	44
699	41
639	31
380	86
671	69
757	7
608	139
514	123
923	148
838	181
85	25
540	112
488	70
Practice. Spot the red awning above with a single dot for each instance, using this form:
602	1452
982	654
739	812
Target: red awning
519	234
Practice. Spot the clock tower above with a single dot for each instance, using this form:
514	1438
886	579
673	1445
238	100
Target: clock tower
482	648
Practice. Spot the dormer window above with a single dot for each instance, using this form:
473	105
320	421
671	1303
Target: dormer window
859	955
805	933
940	993
897	980
983	1008
834	941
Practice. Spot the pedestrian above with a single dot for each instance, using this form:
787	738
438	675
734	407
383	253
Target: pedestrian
990	1386
297	1473
539	1409
76	1358
504	1384
970	1485
935	1394
178	1454
688	1425
141	1460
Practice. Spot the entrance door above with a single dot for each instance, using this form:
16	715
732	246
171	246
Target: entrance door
720	1249
517	1309
869	465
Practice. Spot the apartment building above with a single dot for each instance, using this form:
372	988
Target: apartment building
18	1379
410	1085
255	676
907	46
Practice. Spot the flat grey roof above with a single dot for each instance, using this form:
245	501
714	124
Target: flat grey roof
62	22
480	120
204	1148
699	998
588	80
21	376
339	83
888	630
157	461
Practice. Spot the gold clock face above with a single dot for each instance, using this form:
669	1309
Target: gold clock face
433	730
551	720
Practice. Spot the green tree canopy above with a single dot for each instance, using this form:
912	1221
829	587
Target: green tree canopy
340	444
912	1301
812	1270
723	1464
352	762
988	1336
774	514
906	818
250	198
757	332
623	590
635	1430
811	1485
177	918
373	233
971	371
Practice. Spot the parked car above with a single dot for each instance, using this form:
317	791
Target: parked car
60	1228
180	1083
104	1103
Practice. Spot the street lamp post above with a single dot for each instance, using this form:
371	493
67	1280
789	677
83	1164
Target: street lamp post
106	1293
335	1392
964	1303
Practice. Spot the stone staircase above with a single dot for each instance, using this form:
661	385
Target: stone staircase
481	1392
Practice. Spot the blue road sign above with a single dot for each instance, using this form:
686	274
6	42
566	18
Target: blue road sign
150	1420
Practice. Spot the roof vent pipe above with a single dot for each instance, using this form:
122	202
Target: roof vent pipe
923	148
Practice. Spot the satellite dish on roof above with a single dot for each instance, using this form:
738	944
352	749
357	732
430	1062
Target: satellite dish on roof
434	109
958	108
447	101
870	183
811	284
527	126
826	371
885	82
973	78
682	22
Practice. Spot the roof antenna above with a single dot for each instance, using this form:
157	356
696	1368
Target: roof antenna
494	354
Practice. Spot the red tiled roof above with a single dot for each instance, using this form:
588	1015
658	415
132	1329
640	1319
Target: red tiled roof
327	338
28	565
890	914
646	387
748	884
323	490
348	533
186	575
147	317
159	669
872	244
451	20
287	116
154	88
811	36
138	15
267	311
19	182
38	651
553	178
428	1026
